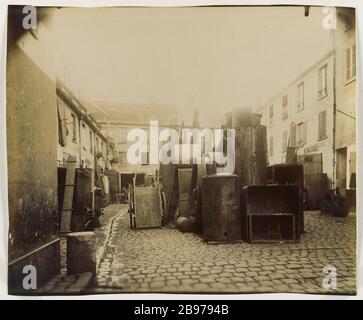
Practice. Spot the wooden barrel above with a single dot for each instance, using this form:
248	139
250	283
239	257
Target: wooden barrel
221	208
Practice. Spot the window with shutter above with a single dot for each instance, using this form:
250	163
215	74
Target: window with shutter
74	128
350	63
354	68
90	142
271	146
323	90
271	114
144	158
300	96
284	141
84	136
347	65
293	136
322	125
305	132
62	124
301	134
284	107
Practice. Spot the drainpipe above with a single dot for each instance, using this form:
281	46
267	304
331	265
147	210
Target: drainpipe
334	109
80	139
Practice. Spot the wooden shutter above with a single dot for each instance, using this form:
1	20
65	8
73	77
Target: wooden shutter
304	132
322	125
293	136
62	127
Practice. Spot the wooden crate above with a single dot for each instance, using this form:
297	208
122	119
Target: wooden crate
269	200
290	174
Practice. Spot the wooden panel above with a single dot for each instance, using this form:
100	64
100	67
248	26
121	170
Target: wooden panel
313	163
167	173
221	208
147	207
251	155
317	187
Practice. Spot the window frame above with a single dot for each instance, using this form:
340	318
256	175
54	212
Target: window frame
323	91
271	146
285	110
90	141
271	114
352	64
74	128
301	104
301	128
320	135
284	141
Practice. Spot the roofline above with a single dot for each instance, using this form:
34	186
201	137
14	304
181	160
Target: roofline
79	109
304	73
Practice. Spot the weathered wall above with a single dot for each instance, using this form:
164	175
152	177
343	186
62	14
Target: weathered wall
31	141
345	87
31	148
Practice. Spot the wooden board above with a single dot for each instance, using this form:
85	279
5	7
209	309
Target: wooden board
185	191
67	207
221	208
147	207
317	187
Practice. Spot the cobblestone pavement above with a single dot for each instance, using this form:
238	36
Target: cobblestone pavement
166	260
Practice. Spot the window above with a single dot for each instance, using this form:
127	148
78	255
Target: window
84	137
284	107
97	145
322	125
284	141
323	90
300	96
90	142
122	158
293	135
74	128
350	67
145	158
301	134
123	135
271	146
271	114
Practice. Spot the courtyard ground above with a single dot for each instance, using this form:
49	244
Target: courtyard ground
166	260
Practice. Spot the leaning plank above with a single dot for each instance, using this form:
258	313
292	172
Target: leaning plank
67	208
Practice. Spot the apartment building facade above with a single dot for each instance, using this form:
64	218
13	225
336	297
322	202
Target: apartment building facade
126	117
79	135
316	112
302	116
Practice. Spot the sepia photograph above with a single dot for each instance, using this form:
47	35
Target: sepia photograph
181	150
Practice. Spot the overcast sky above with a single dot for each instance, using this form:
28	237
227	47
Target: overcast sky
214	59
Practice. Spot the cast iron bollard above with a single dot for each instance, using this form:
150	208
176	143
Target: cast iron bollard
81	252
